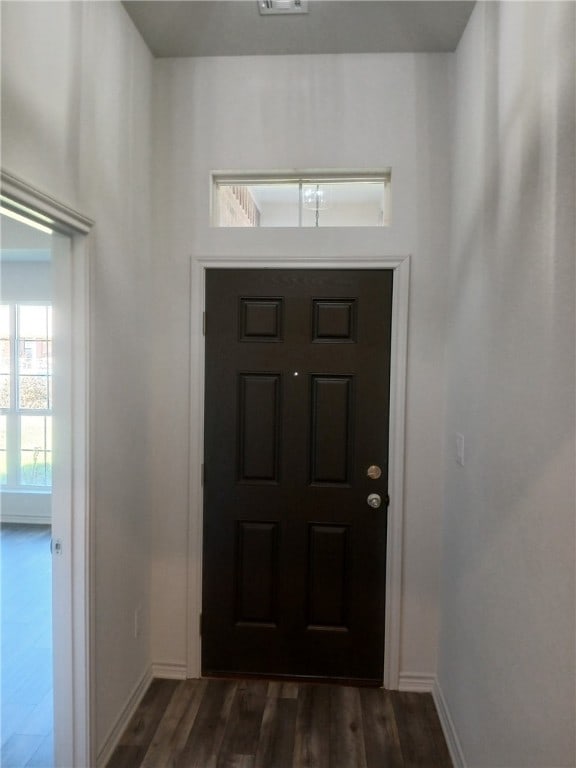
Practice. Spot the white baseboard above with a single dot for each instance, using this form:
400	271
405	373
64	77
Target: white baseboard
423	683
416	682
452	740
111	741
169	671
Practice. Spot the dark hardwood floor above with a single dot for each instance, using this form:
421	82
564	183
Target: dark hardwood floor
199	723
259	724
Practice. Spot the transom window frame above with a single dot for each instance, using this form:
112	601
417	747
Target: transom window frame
310	178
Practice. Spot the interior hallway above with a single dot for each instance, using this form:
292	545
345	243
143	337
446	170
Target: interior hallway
480	140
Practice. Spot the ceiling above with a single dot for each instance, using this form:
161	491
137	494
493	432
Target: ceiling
174	28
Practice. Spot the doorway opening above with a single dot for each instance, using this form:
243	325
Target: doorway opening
44	490
26	388
400	266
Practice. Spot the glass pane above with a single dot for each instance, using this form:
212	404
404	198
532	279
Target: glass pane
258	205
35	450
343	204
33	356
278	204
237	207
32	322
4	321
338	202
4	391
5	362
33	392
33	433
35	468
2	433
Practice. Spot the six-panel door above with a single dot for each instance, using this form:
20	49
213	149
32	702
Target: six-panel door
297	402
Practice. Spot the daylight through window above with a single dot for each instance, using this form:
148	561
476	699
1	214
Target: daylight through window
26	396
346	200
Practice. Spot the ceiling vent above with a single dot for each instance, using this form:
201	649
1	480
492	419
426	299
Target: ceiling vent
282	7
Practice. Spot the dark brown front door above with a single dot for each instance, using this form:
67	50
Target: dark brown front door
297	401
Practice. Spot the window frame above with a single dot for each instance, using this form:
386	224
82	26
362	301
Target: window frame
305	178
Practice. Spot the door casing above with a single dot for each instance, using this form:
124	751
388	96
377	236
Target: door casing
401	267
71	497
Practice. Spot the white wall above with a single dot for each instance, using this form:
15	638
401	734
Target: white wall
357	111
506	664
76	88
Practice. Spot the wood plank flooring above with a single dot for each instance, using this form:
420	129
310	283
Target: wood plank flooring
260	724
26	710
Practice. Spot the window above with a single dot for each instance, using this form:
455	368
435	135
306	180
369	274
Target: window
327	200
26	396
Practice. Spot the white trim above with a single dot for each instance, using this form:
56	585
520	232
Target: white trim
72	574
447	723
395	538
62	504
401	267
64	216
416	683
169	670
247	178
425	683
82	504
128	710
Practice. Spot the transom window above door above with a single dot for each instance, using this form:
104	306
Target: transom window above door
346	199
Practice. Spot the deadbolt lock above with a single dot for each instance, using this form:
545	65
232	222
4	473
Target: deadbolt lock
374	472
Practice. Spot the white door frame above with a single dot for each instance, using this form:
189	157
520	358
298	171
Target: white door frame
71	525
401	267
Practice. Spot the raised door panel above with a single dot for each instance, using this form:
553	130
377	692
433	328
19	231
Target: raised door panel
258	427
331	429
256	573
328	562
